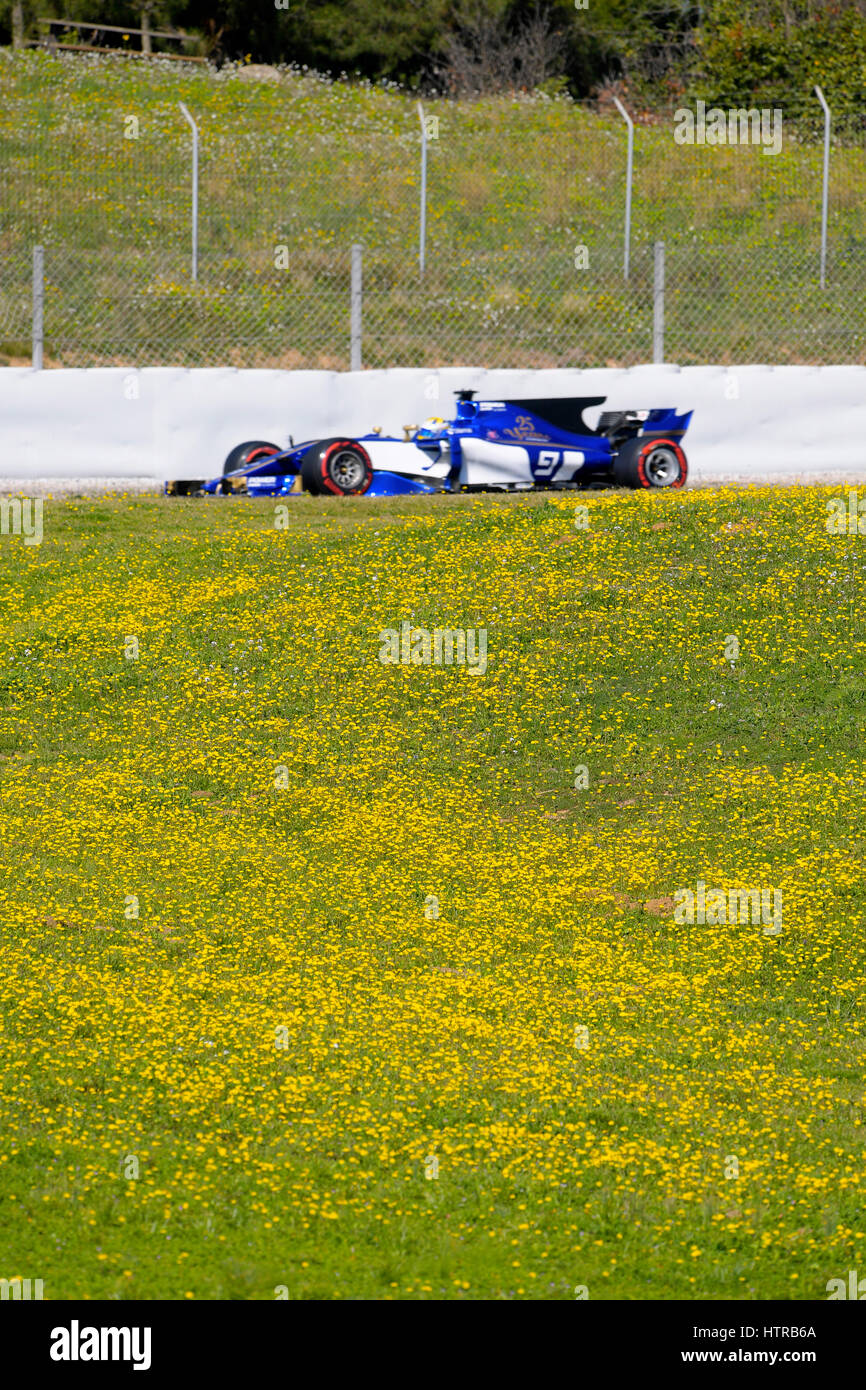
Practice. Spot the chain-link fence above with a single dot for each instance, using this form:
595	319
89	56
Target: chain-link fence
525	213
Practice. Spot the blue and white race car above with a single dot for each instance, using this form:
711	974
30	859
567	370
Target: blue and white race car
515	444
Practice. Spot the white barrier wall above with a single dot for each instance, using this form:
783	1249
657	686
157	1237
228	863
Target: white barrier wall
750	423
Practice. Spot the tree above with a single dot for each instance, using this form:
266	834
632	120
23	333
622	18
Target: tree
147	9
393	38
487	51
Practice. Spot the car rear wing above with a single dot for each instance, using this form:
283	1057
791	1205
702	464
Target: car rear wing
667	421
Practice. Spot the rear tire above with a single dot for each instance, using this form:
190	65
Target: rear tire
657	462
337	467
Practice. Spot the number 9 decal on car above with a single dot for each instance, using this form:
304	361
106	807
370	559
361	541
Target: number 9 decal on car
547	463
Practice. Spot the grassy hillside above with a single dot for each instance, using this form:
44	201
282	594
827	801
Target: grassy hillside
243	1086
312	166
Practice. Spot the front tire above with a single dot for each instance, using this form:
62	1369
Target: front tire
651	463
253	451
241	456
339	467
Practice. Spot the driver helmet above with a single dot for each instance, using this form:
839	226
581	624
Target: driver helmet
432	428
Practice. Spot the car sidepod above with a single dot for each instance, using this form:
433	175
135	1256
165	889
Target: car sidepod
512	444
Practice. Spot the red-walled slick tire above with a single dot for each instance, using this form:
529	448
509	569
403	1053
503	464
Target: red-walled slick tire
253	451
340	467
658	462
244	456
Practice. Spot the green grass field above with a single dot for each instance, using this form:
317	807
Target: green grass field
96	158
243	1055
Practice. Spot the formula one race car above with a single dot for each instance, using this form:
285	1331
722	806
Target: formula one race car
488	445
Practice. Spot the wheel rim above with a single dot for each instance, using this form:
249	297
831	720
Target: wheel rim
346	469
662	467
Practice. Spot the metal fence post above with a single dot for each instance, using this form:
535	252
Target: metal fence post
357	306
628	180
422	229
194	191
825	185
38	304
659	302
